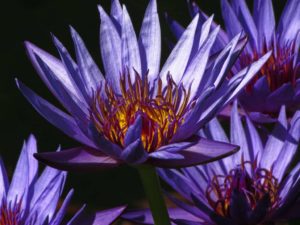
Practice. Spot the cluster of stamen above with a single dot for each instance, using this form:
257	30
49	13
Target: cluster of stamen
279	69
247	179
10	214
161	109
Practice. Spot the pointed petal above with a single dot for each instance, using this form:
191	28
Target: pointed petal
203	151
131	59
92	77
265	21
144	216
105	217
57	219
134	153
150	42
4	184
19	186
275	141
55	116
77	159
194	72
176	65
289	148
59	71
110	42
246	20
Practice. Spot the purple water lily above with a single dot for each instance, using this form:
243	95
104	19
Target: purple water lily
253	186
138	113
32	200
278	81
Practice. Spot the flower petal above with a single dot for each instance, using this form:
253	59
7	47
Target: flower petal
131	59
55	116
203	151
134	153
92	77
150	42
77	159
265	21
4	184
144	216
110	42
105	217
176	65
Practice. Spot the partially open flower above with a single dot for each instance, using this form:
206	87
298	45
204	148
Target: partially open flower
32	200
254	186
278	81
138	114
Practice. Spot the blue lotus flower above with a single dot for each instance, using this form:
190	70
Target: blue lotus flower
254	186
32	200
278	81
138	113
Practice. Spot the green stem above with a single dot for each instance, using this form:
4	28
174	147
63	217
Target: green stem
154	194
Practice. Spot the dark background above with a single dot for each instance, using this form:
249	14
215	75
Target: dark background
33	20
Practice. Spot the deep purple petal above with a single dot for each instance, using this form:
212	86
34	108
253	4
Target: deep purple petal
55	116
134	153
77	159
203	151
144	216
178	182
105	217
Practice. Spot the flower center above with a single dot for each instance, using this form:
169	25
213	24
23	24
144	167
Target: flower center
247	179
161	109
279	69
10	214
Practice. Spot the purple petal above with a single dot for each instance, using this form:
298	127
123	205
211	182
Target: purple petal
110	42
203	151
116	12
18	188
134	131
176	65
73	71
131	59
4	184
194	72
105	217
275	141
57	219
175	27
134	153
55	65
77	159
47	200
144	216
55	116
180	183
289	24
265	21
92	78
150	42
289	148
238	136
246	20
